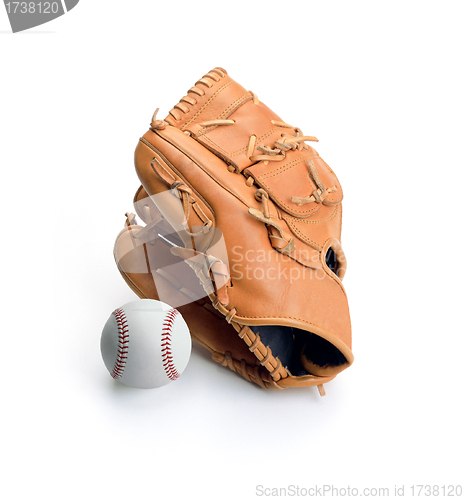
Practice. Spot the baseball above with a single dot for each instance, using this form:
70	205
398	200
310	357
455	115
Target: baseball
145	344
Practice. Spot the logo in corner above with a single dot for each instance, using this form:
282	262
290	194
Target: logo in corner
26	15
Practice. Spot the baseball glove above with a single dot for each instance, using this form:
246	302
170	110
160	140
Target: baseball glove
242	235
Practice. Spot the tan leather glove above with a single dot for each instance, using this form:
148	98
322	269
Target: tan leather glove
242	235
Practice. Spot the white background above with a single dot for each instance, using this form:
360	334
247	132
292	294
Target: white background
381	86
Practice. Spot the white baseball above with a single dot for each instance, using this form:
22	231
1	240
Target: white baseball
145	344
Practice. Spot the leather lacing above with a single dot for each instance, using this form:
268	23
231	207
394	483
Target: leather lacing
184	193
320	194
251	373
208	81
287	143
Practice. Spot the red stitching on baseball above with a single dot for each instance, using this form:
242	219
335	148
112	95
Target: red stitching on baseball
168	363
123	344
